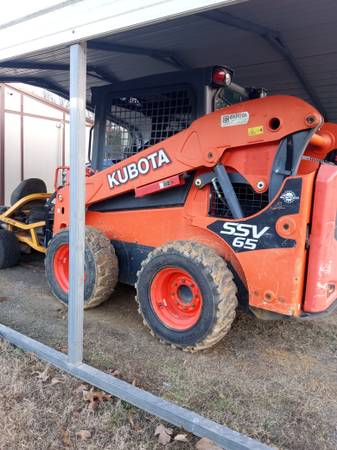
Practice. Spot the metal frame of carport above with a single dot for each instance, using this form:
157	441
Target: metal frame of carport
73	362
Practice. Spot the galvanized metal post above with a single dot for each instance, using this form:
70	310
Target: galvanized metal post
2	145
78	63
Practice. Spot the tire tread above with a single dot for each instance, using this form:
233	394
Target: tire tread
106	267
10	252
220	279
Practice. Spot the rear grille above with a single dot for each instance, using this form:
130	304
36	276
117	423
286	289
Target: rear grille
251	202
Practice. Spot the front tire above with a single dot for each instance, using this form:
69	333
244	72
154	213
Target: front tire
186	295
101	267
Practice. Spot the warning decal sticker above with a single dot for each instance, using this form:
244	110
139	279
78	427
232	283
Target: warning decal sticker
255	131
231	120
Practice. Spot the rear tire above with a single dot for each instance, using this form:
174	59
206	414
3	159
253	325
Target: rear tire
186	295
101	267
9	249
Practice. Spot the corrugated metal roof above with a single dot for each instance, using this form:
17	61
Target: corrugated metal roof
307	27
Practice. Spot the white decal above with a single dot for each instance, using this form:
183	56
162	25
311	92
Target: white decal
289	197
230	120
141	167
162	158
246	235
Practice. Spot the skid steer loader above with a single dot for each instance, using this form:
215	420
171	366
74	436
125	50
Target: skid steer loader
203	195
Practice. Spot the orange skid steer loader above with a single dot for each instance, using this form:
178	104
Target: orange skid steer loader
203	195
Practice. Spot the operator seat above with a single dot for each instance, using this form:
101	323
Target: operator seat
27	187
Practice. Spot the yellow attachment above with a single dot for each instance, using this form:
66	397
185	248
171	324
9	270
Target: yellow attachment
25	233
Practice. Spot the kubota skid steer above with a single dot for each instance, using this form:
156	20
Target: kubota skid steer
202	194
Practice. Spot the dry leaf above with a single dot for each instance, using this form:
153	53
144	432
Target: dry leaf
93	405
181	438
66	438
94	398
114	372
4	299
55	381
32	356
164	434
62	348
133	424
83	435
95	395
206	444
43	376
81	388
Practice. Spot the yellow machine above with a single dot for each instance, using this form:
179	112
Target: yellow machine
24	221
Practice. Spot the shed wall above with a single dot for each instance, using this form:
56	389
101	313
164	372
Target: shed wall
36	139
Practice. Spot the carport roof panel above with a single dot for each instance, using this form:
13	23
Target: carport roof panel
65	22
307	28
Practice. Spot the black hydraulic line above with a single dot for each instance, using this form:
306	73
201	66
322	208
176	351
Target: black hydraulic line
228	191
239	90
90	144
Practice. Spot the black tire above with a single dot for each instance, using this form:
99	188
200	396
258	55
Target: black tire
101	267
9	249
214	281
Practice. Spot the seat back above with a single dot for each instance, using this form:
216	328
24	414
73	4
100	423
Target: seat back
27	187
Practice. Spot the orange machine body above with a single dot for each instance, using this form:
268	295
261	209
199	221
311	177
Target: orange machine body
278	253
322	267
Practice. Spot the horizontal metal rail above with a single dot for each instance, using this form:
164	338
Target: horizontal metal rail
176	415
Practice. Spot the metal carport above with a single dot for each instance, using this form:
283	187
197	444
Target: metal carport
286	47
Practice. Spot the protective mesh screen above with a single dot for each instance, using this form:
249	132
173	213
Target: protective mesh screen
135	123
251	202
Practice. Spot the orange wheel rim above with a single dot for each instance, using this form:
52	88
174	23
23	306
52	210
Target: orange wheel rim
176	298
61	266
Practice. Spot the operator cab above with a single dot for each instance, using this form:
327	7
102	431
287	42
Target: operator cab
131	116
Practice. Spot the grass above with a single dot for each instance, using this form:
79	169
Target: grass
38	413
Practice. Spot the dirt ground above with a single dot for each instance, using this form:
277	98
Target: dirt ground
274	381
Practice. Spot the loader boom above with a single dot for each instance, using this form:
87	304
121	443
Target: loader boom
203	145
